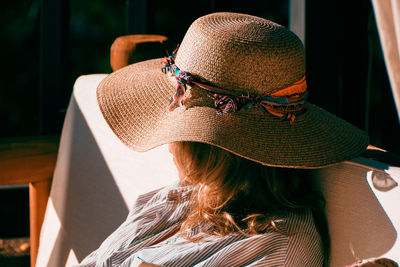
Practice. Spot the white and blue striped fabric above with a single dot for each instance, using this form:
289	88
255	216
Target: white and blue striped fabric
159	214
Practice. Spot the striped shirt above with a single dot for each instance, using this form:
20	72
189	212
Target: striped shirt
159	214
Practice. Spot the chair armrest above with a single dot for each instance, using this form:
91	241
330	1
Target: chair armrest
379	154
124	46
27	160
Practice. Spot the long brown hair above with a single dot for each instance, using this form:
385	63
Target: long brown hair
239	195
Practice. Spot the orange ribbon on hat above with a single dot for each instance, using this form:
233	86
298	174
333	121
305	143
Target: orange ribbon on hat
284	103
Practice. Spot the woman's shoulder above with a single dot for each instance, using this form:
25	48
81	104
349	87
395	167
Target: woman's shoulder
293	241
290	226
296	222
304	244
173	192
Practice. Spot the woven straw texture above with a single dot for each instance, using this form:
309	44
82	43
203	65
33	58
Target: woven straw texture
243	54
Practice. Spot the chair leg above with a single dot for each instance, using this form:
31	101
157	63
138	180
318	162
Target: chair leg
38	195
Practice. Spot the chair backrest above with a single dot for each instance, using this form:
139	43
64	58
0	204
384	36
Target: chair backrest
362	208
96	181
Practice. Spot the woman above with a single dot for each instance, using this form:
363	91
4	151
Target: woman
231	102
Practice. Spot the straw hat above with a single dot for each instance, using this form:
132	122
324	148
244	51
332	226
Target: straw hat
236	82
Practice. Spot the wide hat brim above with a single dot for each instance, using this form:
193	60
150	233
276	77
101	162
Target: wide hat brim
134	101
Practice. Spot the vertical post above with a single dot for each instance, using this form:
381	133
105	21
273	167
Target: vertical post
297	18
337	57
324	55
53	29
212	6
136	16
371	54
38	195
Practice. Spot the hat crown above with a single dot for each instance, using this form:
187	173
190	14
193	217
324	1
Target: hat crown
242	53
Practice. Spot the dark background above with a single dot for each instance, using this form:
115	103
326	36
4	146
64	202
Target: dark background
47	44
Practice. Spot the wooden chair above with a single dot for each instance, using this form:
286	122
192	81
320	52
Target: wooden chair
124	47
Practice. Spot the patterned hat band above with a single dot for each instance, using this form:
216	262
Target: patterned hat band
283	103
